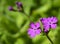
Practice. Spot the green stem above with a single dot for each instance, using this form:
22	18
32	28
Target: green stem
49	39
28	17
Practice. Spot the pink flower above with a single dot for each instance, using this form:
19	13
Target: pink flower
34	29
48	23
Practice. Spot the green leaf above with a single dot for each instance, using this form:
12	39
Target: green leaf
27	4
43	8
20	19
38	39
20	41
56	3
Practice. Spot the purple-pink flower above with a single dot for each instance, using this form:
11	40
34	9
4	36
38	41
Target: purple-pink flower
48	23
19	4
34	29
10	8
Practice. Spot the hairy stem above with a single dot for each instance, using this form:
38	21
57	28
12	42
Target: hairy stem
49	39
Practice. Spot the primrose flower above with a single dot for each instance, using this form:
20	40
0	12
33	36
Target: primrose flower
48	23
34	29
10	8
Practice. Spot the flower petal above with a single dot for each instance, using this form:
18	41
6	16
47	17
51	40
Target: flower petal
32	25
49	19
46	28
53	26
54	20
38	31
30	30
44	20
37	25
32	35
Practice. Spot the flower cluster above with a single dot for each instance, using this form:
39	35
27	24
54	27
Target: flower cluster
19	7
48	23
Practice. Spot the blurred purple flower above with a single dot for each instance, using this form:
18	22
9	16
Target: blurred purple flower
19	4
10	8
34	29
48	23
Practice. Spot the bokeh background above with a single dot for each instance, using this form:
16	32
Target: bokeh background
14	25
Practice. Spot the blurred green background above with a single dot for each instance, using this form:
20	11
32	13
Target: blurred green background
14	25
